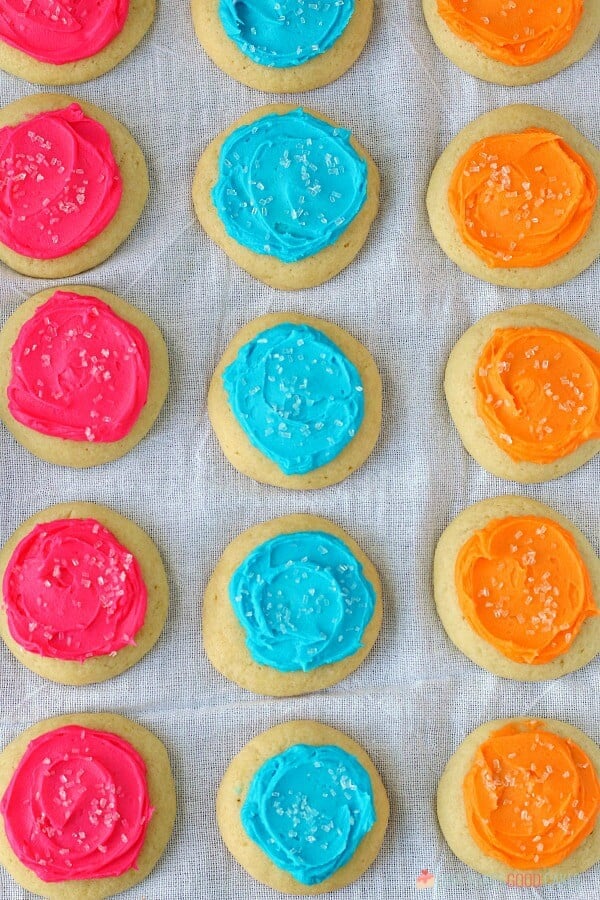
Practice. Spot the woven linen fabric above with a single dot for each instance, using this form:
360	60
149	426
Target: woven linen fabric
416	696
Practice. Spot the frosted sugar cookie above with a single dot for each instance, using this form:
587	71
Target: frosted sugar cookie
87	806
48	42
74	184
307	767
523	388
517	587
522	795
513	42
295	401
281	45
293	606
84	593
289	195
83	375
513	199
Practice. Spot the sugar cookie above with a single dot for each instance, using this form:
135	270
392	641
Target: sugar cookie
303	763
83	375
102	591
83	40
517	587
289	195
114	780
513	199
267	45
293	606
312	413
522	796
512	431
513	43
70	208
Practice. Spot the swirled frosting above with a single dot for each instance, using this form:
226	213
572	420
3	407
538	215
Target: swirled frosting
284	33
289	185
71	591
523	199
77	806
61	31
79	371
537	392
524	587
531	796
302	600
60	185
514	32
296	395
308	809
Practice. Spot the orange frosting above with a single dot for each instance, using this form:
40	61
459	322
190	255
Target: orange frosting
531	797
523	586
522	200
538	393
515	32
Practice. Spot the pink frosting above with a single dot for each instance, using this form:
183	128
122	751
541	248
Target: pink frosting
71	591
79	371
77	805
60	185
56	32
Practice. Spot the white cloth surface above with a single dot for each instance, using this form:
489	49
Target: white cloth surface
415	697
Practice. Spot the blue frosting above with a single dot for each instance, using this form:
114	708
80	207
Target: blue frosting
308	809
296	395
289	185
303	601
284	33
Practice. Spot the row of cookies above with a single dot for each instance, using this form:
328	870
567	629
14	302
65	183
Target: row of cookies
513	200
291	47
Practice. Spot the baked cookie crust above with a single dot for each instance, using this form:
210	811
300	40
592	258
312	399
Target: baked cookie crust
586	644
225	640
139	19
81	454
161	789
471	59
234	788
248	459
99	668
285	276
314	73
515	117
453	821
134	173
460	392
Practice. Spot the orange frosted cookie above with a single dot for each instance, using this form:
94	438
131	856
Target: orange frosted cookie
514	198
514	42
523	387
523	795
516	587
522	199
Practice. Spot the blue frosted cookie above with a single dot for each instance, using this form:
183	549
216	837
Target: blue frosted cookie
283	45
289	195
303	809
293	605
295	401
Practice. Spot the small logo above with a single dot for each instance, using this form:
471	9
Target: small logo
425	880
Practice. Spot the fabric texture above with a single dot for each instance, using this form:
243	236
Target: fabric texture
415	697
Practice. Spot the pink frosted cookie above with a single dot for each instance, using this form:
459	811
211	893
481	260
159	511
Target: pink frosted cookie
68	41
73	184
84	593
87	805
83	375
